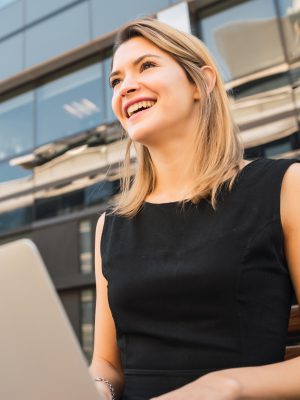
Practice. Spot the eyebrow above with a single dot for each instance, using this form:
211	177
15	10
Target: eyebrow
138	60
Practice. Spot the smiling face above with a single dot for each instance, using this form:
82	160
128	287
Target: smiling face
152	96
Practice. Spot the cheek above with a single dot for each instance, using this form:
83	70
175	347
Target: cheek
115	105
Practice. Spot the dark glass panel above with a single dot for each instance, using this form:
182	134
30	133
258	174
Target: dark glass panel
278	148
15	218
99	192
59	205
14	173
16	208
48	207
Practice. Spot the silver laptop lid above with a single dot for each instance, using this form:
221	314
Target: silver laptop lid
40	358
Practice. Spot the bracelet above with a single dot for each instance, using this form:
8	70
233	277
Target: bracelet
111	388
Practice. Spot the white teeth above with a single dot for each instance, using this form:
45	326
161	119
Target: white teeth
145	104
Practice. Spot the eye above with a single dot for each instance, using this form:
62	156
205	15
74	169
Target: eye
144	65
114	82
147	64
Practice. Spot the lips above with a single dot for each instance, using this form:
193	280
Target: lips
138	113
137	100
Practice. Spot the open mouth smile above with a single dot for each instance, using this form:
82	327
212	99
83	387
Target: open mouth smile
139	108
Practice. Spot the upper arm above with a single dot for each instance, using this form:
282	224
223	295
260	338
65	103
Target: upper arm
290	216
105	343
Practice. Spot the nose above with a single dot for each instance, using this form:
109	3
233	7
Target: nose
127	86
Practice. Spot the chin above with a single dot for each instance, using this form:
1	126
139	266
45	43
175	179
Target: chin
141	136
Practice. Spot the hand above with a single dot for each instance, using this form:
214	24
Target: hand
212	386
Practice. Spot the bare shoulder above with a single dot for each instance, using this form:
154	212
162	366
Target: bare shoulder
99	226
290	218
290	199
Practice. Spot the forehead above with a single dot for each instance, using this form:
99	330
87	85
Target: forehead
134	48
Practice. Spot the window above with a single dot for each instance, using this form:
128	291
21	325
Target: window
87	321
36	9
4	3
110	116
70	105
106	18
11	51
16	125
11	17
85	243
243	39
290	20
56	35
18	210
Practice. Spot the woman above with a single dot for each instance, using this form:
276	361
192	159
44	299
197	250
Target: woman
193	287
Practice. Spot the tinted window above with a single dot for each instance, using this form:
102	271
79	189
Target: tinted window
290	20
56	35
11	56
108	18
15	218
87	313
243	39
11	16
36	9
16	125
110	116
85	247
70	104
18	210
15	173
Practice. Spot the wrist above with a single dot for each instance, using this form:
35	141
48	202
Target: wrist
106	388
231	387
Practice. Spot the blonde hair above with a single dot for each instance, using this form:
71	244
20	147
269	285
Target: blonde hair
217	151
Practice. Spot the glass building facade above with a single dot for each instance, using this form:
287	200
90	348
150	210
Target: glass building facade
60	141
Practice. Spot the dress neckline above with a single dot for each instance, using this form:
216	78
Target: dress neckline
242	171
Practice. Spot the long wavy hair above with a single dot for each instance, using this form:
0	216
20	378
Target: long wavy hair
217	149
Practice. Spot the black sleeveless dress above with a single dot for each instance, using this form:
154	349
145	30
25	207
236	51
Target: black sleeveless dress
197	290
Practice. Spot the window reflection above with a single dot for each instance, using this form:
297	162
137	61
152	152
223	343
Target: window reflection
36	9
16	216
20	176
68	200
4	3
295	74
290	19
70	105
16	198
110	116
285	147
58	34
244	38
265	109
87	303
11	16
85	241
16	125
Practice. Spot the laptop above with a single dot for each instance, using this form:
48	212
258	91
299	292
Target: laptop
40	358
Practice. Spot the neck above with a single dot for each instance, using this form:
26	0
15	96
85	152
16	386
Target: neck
173	170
